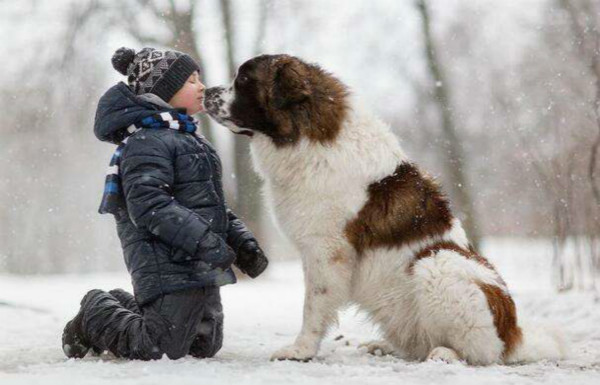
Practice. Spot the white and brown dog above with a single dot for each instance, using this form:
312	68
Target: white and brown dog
372	229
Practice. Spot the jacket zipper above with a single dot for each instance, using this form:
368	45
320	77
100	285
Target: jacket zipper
218	184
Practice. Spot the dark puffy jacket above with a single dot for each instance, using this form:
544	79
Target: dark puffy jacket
178	228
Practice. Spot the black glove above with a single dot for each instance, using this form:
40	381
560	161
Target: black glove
219	260
251	259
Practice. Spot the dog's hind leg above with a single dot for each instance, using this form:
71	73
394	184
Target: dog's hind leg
454	312
327	275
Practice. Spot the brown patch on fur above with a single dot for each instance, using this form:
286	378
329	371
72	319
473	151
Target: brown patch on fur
307	99
504	312
338	258
403	207
432	250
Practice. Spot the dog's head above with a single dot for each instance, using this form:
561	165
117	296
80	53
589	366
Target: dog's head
281	97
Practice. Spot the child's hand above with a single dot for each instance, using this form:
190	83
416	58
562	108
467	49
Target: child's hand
223	262
251	260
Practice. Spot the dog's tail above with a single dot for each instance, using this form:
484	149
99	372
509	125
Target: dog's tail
539	343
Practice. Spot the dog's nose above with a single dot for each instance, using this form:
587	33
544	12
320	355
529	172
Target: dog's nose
211	92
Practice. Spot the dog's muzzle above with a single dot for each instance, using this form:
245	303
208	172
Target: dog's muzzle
217	102
214	102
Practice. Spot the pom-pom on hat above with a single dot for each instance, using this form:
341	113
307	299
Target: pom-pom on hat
161	73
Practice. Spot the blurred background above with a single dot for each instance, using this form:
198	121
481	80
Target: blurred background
497	99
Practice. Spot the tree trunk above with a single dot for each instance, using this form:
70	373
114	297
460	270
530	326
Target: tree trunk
453	150
184	39
248	203
587	34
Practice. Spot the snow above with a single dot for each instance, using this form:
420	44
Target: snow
265	314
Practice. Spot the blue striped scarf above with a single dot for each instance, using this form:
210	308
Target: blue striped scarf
113	200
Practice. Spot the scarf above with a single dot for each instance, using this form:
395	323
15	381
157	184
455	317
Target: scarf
113	199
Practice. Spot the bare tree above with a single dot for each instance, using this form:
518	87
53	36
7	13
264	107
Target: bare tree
585	24
248	203
559	117
53	154
453	151
179	20
176	17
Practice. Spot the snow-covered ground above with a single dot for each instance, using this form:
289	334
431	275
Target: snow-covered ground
263	315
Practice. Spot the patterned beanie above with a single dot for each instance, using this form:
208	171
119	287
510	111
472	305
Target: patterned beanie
161	73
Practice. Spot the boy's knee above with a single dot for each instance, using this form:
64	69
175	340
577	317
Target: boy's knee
209	339
176	353
173	351
176	345
155	353
204	349
215	344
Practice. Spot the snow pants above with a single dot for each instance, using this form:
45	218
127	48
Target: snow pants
187	321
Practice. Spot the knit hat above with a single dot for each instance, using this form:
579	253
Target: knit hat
161	73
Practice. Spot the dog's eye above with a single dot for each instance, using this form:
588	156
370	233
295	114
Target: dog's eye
242	79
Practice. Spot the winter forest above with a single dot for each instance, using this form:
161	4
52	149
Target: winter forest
499	101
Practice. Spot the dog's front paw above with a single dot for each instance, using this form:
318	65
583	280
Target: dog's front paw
294	353
377	348
444	355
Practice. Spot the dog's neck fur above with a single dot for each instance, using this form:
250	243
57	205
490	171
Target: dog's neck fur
365	149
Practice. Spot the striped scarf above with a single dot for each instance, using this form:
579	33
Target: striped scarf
113	200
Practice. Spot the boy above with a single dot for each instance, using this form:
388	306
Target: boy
179	239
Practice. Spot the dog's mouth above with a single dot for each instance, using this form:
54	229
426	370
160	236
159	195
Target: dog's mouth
241	131
235	126
213	105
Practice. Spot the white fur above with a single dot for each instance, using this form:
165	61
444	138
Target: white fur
540	342
443	354
436	309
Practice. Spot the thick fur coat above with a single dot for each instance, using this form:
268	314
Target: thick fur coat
371	227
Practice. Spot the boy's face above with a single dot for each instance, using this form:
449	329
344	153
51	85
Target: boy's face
190	96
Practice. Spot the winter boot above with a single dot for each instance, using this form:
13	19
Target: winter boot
74	343
126	299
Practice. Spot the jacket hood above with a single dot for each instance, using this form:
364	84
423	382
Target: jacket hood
119	108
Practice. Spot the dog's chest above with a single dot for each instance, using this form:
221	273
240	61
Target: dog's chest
312	208
307	192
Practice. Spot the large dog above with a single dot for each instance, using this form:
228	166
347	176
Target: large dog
372	228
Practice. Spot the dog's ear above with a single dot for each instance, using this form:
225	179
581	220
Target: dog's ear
291	83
